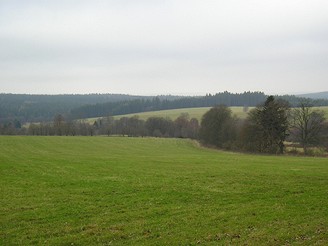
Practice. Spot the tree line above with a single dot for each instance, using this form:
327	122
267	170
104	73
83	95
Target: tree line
37	108
40	108
182	127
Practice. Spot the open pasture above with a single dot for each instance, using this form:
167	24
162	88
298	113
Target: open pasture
175	113
324	109
192	112
170	113
147	191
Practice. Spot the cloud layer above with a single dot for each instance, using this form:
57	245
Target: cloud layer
160	47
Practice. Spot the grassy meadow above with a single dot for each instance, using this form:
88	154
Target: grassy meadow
147	191
193	113
175	113
325	109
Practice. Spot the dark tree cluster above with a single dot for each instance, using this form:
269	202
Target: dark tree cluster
266	128
218	127
11	128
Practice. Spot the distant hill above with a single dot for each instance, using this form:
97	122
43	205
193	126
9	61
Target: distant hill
317	95
29	108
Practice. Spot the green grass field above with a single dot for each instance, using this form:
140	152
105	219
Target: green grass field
325	109
175	113
172	113
193	113
147	191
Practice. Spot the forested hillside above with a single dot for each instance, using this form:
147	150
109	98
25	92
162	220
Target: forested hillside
143	105
156	103
34	108
317	95
39	108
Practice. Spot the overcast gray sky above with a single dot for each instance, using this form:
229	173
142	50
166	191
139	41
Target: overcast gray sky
153	47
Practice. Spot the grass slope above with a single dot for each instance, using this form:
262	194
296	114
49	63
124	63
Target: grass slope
175	113
193	113
146	191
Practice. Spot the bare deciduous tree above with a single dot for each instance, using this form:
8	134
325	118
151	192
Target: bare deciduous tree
306	125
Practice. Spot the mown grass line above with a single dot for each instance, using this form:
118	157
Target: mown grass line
147	191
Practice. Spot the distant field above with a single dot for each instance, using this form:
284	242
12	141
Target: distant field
193	113
175	113
325	109
147	191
